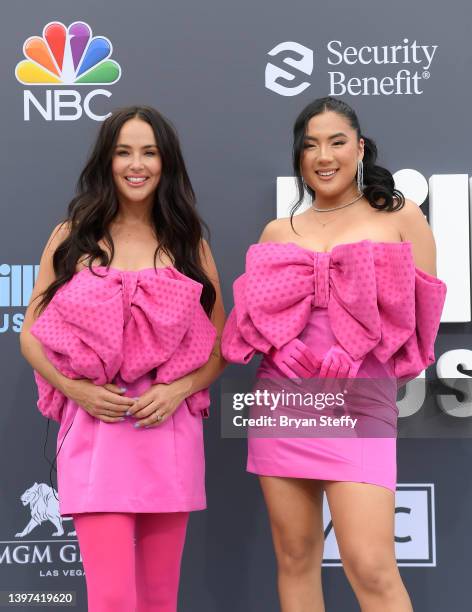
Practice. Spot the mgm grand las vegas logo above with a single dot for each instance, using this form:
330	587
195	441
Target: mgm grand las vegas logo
45	539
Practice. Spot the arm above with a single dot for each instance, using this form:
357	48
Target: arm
414	227
31	348
104	402
272	232
157	404
203	377
419	350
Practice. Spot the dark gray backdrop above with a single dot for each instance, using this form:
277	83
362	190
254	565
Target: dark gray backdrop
202	64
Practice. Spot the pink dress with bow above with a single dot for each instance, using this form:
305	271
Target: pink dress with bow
134	329
369	300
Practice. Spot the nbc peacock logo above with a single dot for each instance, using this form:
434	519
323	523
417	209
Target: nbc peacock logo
64	57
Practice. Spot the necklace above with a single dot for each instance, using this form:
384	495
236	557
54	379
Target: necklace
335	208
358	197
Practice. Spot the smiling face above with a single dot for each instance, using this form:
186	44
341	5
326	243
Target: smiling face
330	155
136	163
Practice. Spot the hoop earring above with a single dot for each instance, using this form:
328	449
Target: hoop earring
360	176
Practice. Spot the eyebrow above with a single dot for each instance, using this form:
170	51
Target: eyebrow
125	146
337	135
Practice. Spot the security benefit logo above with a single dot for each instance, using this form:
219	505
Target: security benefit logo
282	81
61	58
44	540
415	530
401	68
16	285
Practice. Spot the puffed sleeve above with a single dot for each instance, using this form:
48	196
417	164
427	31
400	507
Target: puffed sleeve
80	332
410	306
81	328
417	353
241	340
51	401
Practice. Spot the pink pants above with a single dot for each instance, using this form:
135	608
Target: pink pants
124	576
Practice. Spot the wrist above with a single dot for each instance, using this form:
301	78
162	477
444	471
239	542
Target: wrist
183	387
274	351
66	386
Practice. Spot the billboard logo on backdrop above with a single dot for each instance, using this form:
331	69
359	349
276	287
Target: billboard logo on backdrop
66	57
16	285
44	542
377	70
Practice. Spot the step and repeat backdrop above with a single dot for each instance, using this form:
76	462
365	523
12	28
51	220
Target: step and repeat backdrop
232	77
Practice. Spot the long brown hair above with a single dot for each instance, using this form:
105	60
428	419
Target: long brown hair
175	220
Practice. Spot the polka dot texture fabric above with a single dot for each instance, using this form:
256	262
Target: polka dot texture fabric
376	299
110	323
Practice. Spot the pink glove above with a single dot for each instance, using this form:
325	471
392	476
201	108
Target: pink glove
295	359
337	363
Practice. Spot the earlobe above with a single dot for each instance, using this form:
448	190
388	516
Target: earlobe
361	149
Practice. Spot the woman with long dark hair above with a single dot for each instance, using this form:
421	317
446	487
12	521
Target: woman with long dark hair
122	331
344	290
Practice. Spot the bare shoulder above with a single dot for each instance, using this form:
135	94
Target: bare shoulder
414	227
46	274
410	213
208	262
410	219
276	231
209	266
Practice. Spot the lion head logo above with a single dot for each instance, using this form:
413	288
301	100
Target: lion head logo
44	506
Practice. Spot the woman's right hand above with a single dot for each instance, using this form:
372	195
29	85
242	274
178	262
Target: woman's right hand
295	359
102	402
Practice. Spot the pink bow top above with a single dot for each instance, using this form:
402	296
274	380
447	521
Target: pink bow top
102	324
377	301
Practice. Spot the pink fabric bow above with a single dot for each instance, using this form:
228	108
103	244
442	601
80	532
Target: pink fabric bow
128	323
377	300
281	285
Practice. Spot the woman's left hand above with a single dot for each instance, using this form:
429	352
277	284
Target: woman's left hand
157	404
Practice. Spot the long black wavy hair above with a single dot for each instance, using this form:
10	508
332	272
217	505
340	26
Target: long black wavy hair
176	222
379	183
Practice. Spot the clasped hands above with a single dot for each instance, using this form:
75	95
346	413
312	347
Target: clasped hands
109	404
296	360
